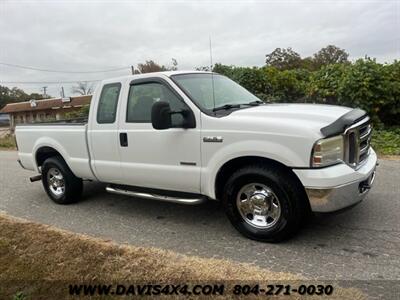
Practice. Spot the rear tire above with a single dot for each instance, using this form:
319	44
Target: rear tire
264	204
60	184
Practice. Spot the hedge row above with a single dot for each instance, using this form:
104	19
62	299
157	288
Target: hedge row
365	83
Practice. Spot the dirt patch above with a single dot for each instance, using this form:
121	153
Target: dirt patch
4	131
41	261
389	157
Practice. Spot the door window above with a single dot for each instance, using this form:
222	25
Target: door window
142	97
107	110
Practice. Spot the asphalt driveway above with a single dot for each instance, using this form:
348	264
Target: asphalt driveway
360	244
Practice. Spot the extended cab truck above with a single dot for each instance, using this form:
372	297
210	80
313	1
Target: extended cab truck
191	136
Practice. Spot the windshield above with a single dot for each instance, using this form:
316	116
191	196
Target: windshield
200	89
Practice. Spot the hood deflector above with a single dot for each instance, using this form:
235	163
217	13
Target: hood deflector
343	122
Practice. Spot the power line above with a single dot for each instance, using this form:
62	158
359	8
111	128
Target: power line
63	71
46	82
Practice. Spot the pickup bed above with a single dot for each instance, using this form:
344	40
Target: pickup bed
189	137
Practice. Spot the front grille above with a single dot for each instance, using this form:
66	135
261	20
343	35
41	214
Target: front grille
358	139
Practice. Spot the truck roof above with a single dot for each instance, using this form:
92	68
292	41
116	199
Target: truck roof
153	74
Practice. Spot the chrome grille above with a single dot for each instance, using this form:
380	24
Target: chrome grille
358	139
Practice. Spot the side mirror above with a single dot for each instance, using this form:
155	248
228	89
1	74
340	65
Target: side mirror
161	115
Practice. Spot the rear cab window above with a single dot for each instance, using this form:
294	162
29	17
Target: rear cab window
108	103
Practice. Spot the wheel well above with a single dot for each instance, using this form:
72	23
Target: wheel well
231	166
44	153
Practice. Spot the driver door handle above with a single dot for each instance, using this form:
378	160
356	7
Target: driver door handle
123	139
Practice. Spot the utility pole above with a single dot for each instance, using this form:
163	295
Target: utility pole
62	92
133	70
44	91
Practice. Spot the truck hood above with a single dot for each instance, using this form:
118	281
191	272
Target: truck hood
301	116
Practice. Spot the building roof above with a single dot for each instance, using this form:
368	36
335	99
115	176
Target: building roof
45	104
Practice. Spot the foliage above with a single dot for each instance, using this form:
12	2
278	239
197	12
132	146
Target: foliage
288	59
174	66
365	83
150	66
19	296
286	85
386	141
283	59
324	84
83	112
203	68
389	112
269	83
330	55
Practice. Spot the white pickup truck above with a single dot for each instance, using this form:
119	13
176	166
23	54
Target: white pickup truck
188	137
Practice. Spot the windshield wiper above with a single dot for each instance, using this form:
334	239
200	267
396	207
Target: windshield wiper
254	103
226	106
230	106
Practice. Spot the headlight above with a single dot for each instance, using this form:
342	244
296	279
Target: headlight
327	152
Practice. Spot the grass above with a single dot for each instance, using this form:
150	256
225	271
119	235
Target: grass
38	262
7	142
386	141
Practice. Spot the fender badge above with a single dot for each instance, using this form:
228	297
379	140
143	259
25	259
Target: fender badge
213	139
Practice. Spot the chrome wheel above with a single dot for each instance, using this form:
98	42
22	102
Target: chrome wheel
258	205
55	181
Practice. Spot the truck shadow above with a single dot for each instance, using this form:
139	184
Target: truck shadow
95	194
184	218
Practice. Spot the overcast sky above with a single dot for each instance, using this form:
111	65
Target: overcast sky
98	35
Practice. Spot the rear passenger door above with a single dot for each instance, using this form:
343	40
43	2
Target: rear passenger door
162	159
103	134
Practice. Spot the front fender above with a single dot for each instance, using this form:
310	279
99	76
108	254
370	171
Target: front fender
254	148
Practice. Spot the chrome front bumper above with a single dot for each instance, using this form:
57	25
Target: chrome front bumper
339	197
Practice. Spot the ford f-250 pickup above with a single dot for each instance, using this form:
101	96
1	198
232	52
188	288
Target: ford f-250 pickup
188	137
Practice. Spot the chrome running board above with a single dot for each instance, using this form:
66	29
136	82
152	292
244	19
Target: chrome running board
153	196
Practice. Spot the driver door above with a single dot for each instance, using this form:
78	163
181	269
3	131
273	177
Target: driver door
163	159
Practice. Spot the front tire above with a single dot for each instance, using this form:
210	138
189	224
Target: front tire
60	184
264	204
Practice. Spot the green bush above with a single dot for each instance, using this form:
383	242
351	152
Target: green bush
325	83
286	85
83	112
365	83
386	141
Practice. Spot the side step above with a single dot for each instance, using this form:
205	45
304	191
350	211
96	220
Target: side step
184	199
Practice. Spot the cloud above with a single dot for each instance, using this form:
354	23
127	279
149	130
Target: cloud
71	35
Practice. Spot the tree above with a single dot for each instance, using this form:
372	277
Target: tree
204	69
330	55
150	66
82	88
11	95
174	66
283	59
38	96
367	85
325	83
